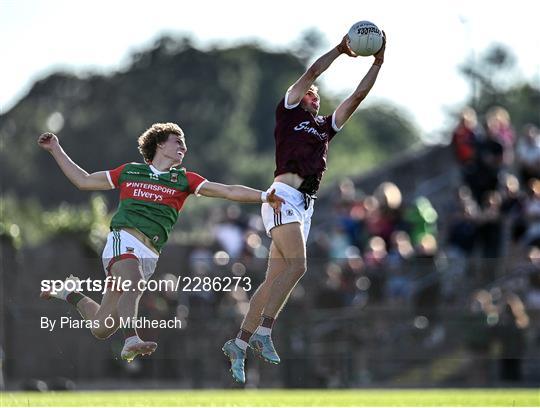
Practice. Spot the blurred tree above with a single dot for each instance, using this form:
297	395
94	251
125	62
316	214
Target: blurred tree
223	98
493	82
374	134
309	44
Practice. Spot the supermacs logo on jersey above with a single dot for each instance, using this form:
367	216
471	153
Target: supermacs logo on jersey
304	126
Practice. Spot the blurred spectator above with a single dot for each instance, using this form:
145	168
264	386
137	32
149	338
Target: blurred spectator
350	212
532	214
511	194
375	259
421	219
528	154
387	215
339	242
375	252
427	294
230	231
499	127
533	295
330	295
201	303
489	236
513	202
465	139
399	281
460	243
488	165
532	270
465	136
356	283
462	223
510	331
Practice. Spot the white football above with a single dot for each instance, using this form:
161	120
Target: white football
365	38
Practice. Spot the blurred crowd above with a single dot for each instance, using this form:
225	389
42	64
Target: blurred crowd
496	216
497	205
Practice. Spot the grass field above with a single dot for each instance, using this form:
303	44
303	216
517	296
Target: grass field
278	398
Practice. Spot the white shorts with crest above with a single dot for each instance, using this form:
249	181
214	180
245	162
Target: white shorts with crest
122	245
294	209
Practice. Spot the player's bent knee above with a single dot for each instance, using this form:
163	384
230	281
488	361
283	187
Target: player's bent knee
102	333
298	271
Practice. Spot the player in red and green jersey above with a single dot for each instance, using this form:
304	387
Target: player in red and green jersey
151	197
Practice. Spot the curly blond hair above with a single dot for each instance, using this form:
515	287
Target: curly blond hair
154	135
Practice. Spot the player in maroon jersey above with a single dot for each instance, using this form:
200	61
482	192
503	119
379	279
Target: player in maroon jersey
151	197
302	138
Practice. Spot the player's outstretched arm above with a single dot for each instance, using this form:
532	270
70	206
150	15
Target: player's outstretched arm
297	91
241	193
345	110
79	177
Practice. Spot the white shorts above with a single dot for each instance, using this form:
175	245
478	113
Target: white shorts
122	245
292	211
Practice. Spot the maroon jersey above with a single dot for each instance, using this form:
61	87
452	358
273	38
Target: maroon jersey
302	141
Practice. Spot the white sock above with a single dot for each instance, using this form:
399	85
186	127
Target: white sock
264	331
241	343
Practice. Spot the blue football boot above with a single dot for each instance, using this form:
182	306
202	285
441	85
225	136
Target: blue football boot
237	357
263	347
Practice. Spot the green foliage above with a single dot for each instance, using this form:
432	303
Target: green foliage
27	223
371	136
493	81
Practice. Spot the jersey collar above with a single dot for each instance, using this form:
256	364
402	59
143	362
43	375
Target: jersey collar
156	171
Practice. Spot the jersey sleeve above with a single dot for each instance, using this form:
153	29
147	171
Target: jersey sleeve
330	121
114	176
286	104
195	182
283	107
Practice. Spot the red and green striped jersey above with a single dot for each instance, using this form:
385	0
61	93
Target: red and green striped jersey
150	200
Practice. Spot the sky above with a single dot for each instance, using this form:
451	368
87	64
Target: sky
427	41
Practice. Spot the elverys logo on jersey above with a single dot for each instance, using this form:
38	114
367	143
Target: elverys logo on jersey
148	191
304	126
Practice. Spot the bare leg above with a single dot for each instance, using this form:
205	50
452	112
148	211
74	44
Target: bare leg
290	243
113	301
276	266
127	308
128	302
126	269
91	310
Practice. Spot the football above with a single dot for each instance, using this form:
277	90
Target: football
365	38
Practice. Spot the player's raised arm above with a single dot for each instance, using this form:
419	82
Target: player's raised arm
241	193
79	177
345	110
297	91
